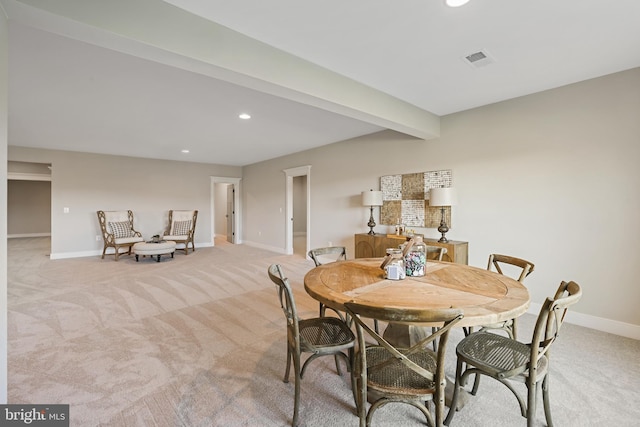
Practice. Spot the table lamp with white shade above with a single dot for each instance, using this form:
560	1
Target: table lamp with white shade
442	197
371	198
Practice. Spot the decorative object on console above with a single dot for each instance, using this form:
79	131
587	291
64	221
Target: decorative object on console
371	198
443	197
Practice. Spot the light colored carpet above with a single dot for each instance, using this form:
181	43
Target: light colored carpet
199	340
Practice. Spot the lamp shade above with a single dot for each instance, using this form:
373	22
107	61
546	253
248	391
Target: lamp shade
442	197
372	198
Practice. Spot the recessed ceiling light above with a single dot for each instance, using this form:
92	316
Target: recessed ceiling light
244	116
185	151
456	3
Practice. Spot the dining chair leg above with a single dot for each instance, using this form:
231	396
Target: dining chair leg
546	401
359	391
296	401
336	358
476	384
286	372
532	391
454	399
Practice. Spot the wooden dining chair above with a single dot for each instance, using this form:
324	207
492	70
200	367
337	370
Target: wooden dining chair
506	359
384	373
319	336
518	269
324	255
332	254
515	267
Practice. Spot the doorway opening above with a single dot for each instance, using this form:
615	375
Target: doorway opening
226	213
298	214
29	203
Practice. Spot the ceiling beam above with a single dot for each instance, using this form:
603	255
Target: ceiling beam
160	32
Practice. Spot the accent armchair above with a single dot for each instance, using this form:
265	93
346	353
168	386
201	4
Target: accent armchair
117	231
181	229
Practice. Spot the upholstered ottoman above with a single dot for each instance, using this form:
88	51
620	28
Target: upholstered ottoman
154	249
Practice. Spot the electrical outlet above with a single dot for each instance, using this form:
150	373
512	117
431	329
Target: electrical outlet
259	233
330	244
97	237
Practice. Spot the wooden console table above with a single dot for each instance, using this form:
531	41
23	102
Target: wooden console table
375	246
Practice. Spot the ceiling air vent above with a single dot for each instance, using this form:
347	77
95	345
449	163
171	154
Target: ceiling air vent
478	59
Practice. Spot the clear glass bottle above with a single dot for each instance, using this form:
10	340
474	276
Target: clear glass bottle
395	269
415	260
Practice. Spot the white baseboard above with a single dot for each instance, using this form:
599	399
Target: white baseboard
110	251
16	236
598	323
65	255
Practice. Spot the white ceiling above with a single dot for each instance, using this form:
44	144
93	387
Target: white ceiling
92	77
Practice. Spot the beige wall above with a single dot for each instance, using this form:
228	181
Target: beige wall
551	177
28	208
86	183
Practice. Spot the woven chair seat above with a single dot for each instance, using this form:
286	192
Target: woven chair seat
317	335
497	355
395	377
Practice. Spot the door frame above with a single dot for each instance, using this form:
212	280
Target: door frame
289	175
237	223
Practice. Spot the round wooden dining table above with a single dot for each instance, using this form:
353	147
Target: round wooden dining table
485	297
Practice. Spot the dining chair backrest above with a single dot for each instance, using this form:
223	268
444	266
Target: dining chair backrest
328	254
285	295
436	252
500	262
551	318
392	374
